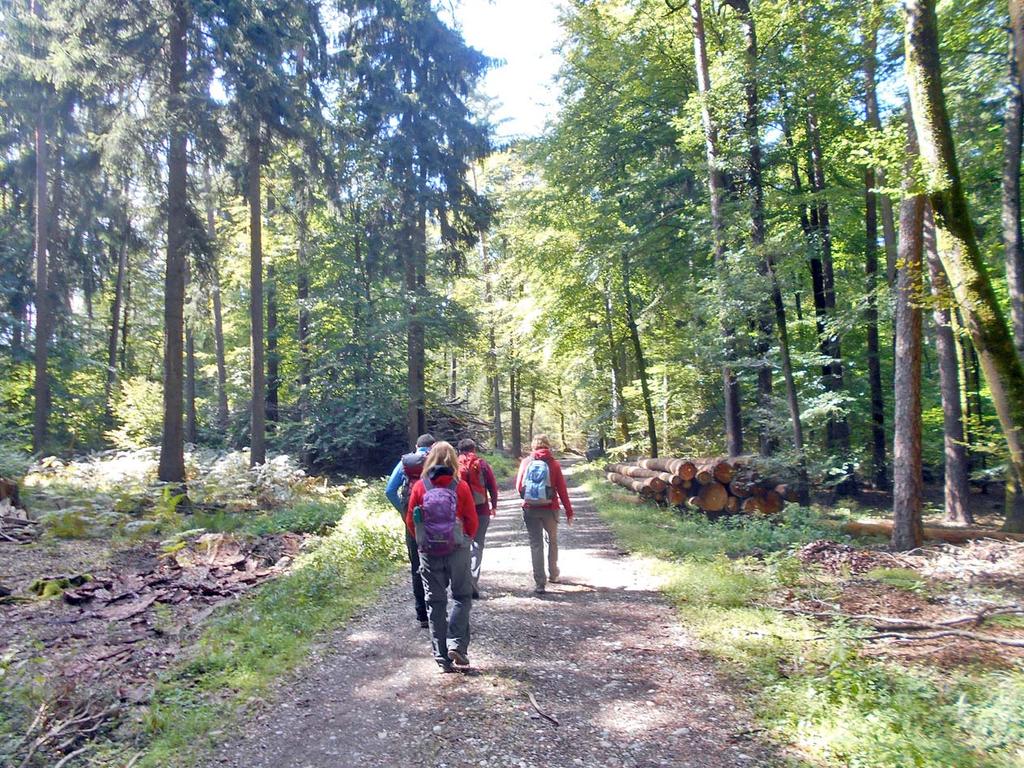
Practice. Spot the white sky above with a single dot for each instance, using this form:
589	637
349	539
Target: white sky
522	33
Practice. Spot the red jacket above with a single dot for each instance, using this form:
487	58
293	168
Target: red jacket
557	481
465	510
490	485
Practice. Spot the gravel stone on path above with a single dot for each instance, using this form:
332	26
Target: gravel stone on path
601	651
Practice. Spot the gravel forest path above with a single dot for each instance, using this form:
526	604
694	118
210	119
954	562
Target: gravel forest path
601	652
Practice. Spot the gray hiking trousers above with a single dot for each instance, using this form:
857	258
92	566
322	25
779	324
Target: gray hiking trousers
542	524
447	631
477	548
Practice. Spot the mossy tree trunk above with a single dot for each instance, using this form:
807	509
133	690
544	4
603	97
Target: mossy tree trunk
961	256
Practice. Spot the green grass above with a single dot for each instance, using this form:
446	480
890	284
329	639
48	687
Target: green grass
315	516
809	686
246	648
900	578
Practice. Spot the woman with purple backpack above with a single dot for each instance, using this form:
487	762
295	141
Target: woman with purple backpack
442	518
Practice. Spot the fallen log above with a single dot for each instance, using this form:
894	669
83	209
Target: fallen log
662	479
641	487
684	468
721	470
772	503
676	496
713	497
951	535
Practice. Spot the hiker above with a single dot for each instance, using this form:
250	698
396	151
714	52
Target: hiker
442	519
405	473
479	476
540	484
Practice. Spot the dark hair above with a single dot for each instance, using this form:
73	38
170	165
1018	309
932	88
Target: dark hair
425	440
467	445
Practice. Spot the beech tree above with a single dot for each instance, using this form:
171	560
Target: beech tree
962	259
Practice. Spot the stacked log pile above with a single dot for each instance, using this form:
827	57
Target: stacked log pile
453	420
713	485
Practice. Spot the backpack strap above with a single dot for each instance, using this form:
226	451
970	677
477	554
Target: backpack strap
427	485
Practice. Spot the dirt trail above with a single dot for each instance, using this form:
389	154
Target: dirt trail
601	652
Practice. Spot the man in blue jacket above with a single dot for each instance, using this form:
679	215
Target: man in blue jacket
406	472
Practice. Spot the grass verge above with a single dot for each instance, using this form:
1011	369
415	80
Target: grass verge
244	649
811	688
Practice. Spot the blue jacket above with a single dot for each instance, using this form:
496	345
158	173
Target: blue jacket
395	483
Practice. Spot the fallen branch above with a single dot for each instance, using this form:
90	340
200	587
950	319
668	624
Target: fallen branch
885	623
71	755
948	633
541	712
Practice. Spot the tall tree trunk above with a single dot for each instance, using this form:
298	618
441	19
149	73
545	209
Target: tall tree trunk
415	277
273	357
874	121
1014	127
641	360
956	468
514	414
837	429
533	411
907	531
619	415
126	319
716	191
302	300
115	317
757	221
172	446
492	349
453	381
191	418
964	263
792	399
872	177
258	404
878	459
43	302
218	314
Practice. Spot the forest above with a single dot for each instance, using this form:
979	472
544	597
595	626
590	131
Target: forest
252	248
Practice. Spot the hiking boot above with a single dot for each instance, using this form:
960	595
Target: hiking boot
424	624
554	578
445	666
476	594
539	590
458	658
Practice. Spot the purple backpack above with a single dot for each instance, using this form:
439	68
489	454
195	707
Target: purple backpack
436	534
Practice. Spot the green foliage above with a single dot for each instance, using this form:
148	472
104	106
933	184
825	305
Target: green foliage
138	411
14	462
304	516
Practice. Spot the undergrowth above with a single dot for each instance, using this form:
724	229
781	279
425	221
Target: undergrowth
810	686
242	651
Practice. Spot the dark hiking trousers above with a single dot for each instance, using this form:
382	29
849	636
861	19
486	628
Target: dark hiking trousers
448	631
417	580
477	548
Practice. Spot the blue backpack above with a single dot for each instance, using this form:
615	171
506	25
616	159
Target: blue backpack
537	490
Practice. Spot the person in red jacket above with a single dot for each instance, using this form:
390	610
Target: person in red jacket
442	518
541	485
480	477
